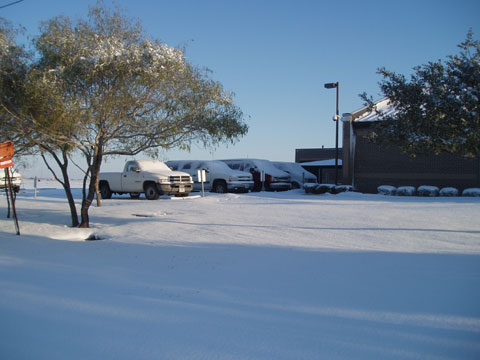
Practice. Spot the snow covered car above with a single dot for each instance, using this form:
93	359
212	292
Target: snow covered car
151	177
15	177
298	175
219	177
275	179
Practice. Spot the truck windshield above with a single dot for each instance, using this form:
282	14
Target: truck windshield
153	166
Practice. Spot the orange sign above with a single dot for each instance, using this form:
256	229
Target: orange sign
6	162
6	148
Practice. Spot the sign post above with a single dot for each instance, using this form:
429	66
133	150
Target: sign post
262	179
202	177
35	188
6	162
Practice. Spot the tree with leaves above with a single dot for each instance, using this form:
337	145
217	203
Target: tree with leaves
28	116
438	109
100	87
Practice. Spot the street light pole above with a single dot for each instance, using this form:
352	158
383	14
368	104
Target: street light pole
336	118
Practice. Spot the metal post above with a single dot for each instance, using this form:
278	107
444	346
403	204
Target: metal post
7	194
35	188
336	136
202	177
336	118
12	199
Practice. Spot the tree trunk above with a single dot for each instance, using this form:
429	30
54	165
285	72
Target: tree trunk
65	183
97	193
92	188
71	201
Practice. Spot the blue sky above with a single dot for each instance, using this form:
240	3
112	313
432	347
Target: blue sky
276	55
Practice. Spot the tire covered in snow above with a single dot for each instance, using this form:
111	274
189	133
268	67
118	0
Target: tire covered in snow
151	191
105	191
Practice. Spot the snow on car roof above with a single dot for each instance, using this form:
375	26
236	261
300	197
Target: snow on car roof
266	165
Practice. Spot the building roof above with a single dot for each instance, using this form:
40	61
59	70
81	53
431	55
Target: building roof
366	115
329	162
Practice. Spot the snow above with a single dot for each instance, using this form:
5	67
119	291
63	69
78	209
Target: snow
449	191
384	107
242	276
329	162
405	191
260	165
296	171
428	190
387	190
471	192
153	166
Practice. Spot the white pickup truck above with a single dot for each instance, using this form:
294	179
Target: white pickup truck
153	178
15	177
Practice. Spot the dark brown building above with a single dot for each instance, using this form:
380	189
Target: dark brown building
321	163
366	165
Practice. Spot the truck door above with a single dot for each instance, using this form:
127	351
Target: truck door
132	178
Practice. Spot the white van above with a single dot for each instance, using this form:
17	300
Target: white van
298	175
219	177
275	179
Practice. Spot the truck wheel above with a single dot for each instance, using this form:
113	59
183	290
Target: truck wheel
151	192
135	195
219	187
105	191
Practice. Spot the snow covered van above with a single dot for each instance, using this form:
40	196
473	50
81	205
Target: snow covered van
275	179
298	175
220	178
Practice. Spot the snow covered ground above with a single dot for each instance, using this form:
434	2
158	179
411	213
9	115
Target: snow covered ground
247	276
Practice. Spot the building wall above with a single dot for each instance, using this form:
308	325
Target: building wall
374	166
324	174
347	157
316	154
